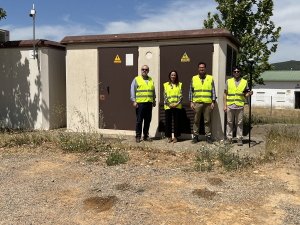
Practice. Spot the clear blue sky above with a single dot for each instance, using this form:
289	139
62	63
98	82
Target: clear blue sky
57	19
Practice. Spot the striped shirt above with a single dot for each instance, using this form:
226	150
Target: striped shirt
134	87
213	93
166	97
237	82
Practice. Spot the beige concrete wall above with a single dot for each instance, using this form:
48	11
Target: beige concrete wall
25	86
149	55
20	86
57	88
82	82
43	58
82	89
219	74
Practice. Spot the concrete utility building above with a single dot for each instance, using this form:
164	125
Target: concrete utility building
100	69
32	90
281	89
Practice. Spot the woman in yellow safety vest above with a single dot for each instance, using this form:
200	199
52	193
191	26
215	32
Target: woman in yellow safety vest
172	103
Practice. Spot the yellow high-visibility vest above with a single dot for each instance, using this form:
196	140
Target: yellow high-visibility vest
236	94
173	94
144	92
202	92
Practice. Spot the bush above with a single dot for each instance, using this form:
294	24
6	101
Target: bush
116	156
23	137
206	160
232	161
79	142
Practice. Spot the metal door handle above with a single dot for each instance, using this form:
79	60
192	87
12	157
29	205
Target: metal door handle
107	89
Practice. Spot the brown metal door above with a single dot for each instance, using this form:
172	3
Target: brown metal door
184	59
117	68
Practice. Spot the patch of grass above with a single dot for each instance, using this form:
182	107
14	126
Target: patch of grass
24	137
264	116
94	158
154	157
206	160
80	142
140	190
233	161
282	141
103	146
116	156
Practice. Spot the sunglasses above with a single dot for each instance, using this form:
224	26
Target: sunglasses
145	69
236	71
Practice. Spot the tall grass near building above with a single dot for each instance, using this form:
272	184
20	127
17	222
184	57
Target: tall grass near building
266	116
282	141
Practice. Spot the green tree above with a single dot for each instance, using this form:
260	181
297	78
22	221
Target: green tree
2	13
249	21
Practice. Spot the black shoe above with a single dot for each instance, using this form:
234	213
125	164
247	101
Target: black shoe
208	139
148	139
137	140
195	139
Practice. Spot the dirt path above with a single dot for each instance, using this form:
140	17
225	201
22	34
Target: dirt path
51	187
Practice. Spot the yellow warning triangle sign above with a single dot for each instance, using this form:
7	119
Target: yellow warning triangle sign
117	59
185	58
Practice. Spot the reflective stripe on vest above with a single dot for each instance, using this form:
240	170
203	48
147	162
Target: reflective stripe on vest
144	92
172	94
202	92
236	94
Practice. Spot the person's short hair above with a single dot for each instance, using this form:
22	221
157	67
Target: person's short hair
201	63
144	65
236	68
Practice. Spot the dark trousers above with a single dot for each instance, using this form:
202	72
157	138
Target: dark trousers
143	113
175	113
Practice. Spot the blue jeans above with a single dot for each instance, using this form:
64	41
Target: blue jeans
143	113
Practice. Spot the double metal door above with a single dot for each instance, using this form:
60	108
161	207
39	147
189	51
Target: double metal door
184	59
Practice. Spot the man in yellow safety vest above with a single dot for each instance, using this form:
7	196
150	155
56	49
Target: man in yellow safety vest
142	93
235	92
202	98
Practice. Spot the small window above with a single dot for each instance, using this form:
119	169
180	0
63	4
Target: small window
260	96
280	96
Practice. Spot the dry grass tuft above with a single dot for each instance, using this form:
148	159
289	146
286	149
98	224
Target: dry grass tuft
263	115
282	141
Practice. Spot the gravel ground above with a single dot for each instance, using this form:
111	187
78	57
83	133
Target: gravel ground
47	186
58	188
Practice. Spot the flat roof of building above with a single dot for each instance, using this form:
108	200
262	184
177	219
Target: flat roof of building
152	36
29	43
281	75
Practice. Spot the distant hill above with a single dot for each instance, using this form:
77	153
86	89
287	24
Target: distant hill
287	65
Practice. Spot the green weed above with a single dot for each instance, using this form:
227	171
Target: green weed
21	137
79	142
206	160
94	158
116	156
